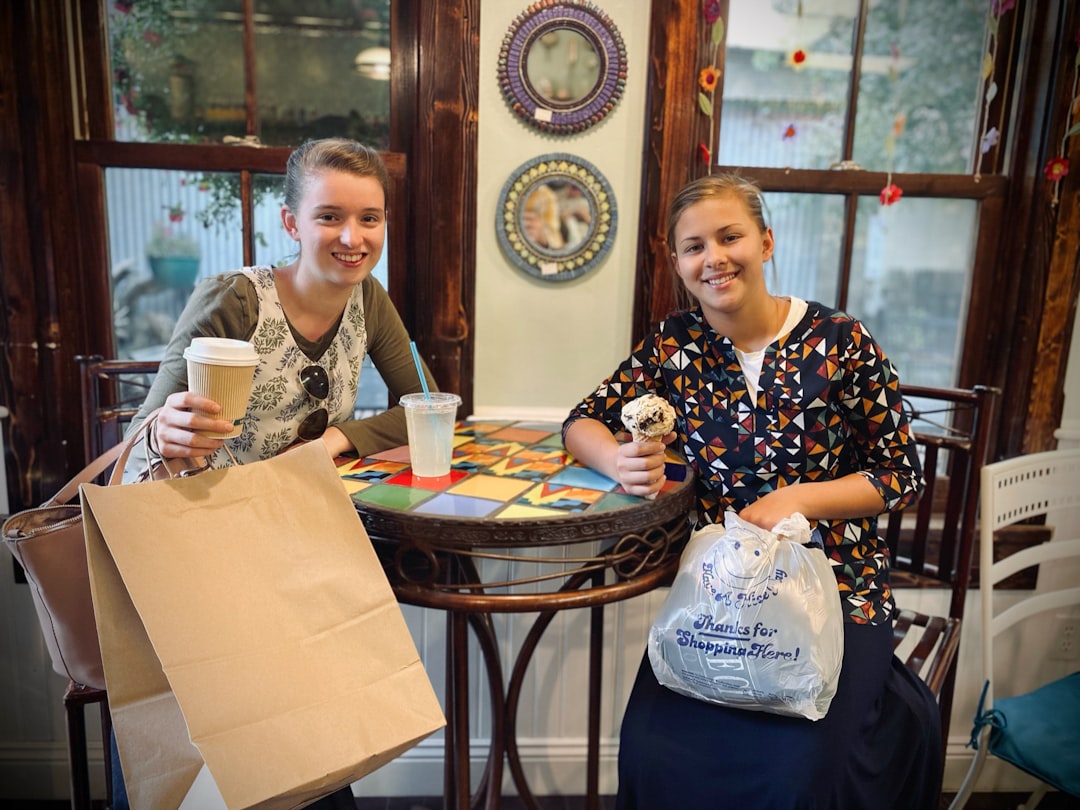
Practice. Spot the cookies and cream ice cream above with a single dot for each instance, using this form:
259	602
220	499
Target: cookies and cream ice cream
648	418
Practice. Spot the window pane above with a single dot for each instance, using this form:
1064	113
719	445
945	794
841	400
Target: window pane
178	69
806	260
159	247
921	61
310	82
914	301
777	113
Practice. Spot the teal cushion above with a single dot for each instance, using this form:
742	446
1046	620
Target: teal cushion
1040	733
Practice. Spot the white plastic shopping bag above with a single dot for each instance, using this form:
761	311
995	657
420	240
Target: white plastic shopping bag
753	621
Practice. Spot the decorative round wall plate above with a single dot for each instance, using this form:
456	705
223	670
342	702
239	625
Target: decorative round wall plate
556	217
562	66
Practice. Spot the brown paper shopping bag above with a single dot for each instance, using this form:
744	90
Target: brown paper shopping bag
245	622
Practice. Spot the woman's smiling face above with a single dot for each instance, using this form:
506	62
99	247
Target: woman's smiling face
720	253
340	224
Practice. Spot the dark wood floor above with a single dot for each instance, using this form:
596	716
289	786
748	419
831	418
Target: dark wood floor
980	801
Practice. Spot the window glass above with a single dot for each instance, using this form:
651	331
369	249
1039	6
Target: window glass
178	69
919	86
787	75
806	260
321	70
158	249
785	83
910	281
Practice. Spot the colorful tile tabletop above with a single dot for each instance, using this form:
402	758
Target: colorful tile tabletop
502	470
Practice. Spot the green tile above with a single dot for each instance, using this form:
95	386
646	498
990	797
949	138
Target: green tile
615	500
393	497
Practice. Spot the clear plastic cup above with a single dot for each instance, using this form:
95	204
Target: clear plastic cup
430	420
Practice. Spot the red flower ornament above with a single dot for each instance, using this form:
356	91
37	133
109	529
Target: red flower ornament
703	153
797	59
1056	168
711	10
891	194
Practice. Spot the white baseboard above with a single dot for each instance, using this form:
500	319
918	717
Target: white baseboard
520	413
553	766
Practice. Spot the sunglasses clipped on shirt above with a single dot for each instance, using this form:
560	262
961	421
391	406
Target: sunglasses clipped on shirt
316	384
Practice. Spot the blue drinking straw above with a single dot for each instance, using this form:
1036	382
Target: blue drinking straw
419	369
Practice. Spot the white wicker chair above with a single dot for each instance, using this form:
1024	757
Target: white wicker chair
1038	731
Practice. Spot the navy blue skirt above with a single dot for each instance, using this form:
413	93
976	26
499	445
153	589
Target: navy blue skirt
878	747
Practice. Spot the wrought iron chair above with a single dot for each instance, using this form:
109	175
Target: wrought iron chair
112	391
932	542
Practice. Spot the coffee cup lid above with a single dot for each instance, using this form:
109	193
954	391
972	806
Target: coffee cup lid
222	351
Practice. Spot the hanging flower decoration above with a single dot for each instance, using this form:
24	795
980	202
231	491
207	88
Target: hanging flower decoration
990	135
709	76
708	79
797	59
789	132
1057	167
891	194
176	212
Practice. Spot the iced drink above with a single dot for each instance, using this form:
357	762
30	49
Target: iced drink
430	419
222	369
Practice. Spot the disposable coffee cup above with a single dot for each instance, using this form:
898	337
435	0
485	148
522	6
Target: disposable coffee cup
222	369
430	420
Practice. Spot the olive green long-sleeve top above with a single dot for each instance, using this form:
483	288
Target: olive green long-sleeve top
227	306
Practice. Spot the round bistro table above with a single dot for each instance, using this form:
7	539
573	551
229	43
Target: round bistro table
514	495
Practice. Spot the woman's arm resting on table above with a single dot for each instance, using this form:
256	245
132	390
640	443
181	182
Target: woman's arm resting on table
638	466
337	443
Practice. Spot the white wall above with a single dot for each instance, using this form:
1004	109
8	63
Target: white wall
544	345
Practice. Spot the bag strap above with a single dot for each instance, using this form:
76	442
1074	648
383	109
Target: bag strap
97	467
88	474
155	461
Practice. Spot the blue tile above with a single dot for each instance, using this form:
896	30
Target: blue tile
583	477
458	506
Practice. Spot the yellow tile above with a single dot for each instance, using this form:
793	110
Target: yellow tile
518	511
491	487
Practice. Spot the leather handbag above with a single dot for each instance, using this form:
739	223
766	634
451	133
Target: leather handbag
48	543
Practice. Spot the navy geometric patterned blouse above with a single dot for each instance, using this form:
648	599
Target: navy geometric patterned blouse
828	405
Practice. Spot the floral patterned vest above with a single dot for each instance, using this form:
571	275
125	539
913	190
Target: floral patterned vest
278	401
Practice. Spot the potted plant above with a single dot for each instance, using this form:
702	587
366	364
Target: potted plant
173	255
